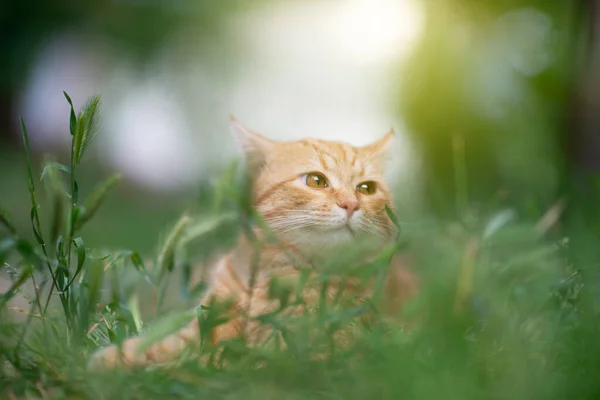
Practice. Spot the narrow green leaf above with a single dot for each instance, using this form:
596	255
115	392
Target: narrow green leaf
166	257
395	221
95	200
198	289
35	225
139	265
281	289
94	277
338	319
206	226
73	120
6	245
55	188
65	306
137	261
75	192
164	328
78	242
83	311
134	307
6	221
74	217
28	253
392	216
210	316
27	155
68	98
62	273
125	325
302	281
186	273
73	307
54	165
100	255
10	293
59	247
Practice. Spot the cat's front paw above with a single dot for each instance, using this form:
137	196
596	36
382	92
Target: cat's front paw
104	358
112	356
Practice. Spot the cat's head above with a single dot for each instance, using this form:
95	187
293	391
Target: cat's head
319	194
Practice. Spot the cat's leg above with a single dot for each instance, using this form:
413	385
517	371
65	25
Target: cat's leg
130	354
226	287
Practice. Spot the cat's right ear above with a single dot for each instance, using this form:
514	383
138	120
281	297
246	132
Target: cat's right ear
254	146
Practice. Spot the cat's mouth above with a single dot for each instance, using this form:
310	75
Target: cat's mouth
347	226
342	228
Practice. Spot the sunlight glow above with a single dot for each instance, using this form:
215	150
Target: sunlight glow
376	31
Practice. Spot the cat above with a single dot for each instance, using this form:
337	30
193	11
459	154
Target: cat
316	196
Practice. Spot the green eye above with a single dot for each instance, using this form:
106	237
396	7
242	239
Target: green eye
367	188
316	180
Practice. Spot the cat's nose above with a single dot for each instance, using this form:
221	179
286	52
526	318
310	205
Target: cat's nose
350	206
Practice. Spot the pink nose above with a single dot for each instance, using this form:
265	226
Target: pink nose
350	206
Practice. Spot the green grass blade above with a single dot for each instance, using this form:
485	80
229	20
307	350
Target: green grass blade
166	257
5	220
30	181
138	263
165	327
6	246
96	199
394	219
54	165
15	287
78	242
57	197
73	118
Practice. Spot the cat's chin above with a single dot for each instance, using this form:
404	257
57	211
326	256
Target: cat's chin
329	240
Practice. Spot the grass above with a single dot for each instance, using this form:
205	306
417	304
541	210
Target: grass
505	312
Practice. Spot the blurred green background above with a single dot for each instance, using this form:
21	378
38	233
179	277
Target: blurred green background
496	107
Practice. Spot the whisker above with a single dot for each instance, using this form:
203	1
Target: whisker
293	228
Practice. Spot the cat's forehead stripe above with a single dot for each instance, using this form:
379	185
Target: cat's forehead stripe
354	155
332	155
318	152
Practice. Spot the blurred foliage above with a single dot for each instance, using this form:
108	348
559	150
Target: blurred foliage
136	26
488	94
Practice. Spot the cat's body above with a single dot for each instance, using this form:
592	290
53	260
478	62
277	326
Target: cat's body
317	196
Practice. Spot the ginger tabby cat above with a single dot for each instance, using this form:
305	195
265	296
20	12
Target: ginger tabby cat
317	196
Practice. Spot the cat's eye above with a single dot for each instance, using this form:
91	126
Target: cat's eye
367	188
316	180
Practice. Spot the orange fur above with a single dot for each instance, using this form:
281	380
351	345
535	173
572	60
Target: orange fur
311	224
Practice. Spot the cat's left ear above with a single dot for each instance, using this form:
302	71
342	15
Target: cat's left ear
254	146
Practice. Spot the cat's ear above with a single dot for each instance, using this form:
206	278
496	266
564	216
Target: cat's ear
382	147
254	146
386	156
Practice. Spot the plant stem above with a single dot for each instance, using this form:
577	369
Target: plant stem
71	214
